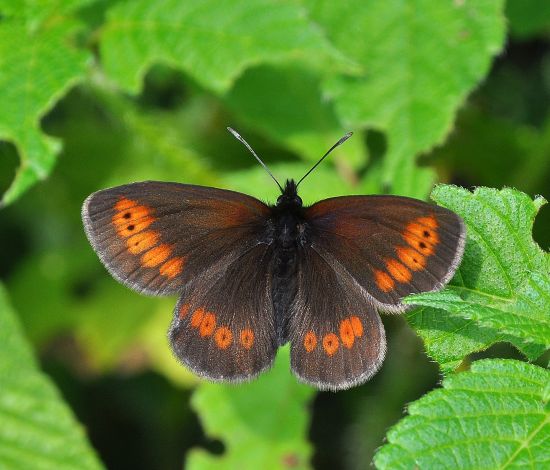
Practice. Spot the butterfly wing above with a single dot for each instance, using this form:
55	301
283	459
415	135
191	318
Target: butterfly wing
205	244
157	237
224	328
391	246
337	338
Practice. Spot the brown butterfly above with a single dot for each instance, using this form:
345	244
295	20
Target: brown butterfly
252	277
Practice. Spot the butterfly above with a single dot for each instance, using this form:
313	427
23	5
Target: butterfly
252	277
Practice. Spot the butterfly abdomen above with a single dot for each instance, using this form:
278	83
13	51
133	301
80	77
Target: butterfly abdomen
284	289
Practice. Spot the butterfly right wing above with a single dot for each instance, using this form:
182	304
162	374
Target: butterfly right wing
336	335
392	246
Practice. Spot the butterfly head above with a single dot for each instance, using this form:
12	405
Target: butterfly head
289	197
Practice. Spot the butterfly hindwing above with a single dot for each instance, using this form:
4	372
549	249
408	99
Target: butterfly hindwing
392	246
158	237
337	337
223	326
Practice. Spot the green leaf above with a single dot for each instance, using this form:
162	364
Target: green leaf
494	416
34	12
38	431
528	17
448	339
39	63
524	317
420	60
502	289
213	43
263	424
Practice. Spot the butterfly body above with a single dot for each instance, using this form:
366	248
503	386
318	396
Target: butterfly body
251	277
288	235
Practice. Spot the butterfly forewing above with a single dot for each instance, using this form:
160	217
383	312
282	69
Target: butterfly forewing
392	246
337	337
158	237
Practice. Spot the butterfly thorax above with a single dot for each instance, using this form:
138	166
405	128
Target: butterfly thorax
288	218
288	236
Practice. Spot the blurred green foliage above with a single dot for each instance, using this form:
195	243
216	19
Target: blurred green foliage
97	93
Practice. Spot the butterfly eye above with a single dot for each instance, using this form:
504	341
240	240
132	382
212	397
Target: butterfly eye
298	200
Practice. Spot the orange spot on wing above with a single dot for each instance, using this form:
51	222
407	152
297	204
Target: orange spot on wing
430	236
130	228
415	229
417	241
155	256
399	272
208	324
184	310
196	318
330	343
133	214
247	338
172	267
412	258
124	204
310	341
357	326
346	333
223	337
383	280
430	221
422	235
140	242
425	248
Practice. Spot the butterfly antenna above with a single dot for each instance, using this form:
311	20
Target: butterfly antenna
337	144
245	143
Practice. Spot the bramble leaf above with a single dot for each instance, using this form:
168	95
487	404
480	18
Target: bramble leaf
38	430
213	45
502	289
263	424
39	63
494	416
420	59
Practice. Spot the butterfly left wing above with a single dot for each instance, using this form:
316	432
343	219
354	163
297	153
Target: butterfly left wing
205	244
223	327
391	246
337	337
158	237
